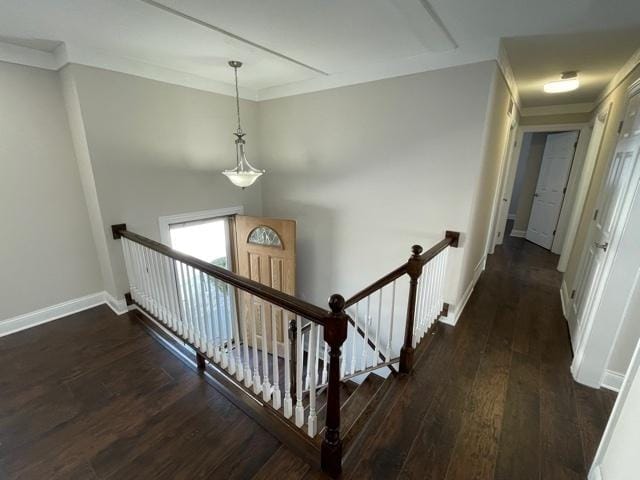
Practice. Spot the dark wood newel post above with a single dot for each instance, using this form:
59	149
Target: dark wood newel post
335	333
414	270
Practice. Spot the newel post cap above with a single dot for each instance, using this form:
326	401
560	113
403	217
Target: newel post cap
336	303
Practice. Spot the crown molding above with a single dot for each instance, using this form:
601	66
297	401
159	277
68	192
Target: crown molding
479	52
27	56
66	54
618	78
507	72
558	109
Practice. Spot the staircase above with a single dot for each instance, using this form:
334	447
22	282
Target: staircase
313	377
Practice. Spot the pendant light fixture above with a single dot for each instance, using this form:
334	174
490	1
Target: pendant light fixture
244	175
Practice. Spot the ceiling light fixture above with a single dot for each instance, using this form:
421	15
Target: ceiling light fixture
568	83
244	175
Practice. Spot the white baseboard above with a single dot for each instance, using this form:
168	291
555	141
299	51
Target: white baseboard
511	216
564	298
455	312
118	306
54	312
612	380
518	233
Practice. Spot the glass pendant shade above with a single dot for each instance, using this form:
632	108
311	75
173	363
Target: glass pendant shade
244	175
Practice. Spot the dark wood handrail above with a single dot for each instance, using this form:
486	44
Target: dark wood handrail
430	254
276	297
451	238
377	285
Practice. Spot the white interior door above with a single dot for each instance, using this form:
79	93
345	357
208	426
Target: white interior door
554	173
620	181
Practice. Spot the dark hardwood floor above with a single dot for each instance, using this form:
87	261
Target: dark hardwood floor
494	397
93	396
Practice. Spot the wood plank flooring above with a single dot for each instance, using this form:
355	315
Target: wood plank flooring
494	397
93	396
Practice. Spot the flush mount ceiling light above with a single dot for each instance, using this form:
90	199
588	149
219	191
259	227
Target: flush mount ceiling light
568	83
244	175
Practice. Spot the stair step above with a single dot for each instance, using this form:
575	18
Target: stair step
356	414
357	404
346	390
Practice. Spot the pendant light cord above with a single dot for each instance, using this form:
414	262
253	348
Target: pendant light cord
235	70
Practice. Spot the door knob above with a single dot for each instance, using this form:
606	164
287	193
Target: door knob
536	194
603	246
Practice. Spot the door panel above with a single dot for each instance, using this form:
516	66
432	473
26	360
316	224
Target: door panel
621	180
266	253
552	180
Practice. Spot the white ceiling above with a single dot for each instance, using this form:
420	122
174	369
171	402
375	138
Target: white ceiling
293	46
596	56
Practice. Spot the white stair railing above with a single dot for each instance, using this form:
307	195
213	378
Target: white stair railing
242	334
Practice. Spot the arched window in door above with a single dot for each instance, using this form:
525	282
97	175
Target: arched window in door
265	236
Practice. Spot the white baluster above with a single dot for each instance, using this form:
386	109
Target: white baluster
354	335
299	365
209	319
288	406
127	264
162	294
213	347
325	358
222	336
144	277
376	352
228	327
365	340
312	359
150	286
391	315
257	382
264	345
186	302
274	359
168	293
198	304
175	295
231	299
193	330
157	291
245	339
436	286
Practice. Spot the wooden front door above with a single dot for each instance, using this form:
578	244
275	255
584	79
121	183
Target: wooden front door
265	252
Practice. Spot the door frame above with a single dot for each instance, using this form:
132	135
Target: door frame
596	293
578	161
582	189
165	221
494	238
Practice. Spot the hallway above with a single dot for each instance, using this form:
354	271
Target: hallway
494	397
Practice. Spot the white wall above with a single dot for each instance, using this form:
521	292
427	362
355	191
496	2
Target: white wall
157	149
46	248
485	197
617	457
368	170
